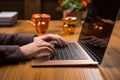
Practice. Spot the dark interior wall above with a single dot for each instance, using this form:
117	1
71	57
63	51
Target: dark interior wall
48	6
13	5
107	7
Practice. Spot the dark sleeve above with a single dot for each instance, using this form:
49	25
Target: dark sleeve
10	54
15	39
10	47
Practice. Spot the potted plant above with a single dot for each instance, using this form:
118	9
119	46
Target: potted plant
69	6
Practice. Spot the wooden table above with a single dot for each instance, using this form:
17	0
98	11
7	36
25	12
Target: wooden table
108	70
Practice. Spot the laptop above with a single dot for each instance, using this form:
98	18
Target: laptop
90	47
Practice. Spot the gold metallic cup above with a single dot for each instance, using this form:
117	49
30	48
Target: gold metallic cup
69	24
40	22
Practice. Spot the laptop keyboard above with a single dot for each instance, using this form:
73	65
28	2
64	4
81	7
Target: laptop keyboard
70	52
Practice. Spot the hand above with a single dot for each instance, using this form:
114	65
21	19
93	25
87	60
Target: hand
50	37
35	48
92	40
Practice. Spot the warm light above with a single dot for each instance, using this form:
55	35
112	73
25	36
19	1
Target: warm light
100	27
96	27
43	23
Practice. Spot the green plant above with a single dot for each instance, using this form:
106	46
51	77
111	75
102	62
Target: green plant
72	5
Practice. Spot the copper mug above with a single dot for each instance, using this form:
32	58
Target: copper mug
40	22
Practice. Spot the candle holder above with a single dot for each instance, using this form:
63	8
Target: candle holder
40	22
69	24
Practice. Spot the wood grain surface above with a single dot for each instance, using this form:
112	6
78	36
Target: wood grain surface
108	70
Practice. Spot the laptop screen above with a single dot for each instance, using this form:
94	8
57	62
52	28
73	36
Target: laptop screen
97	28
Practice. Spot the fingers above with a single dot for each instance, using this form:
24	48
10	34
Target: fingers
32	49
50	37
92	40
87	37
59	40
46	50
43	51
101	43
45	45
